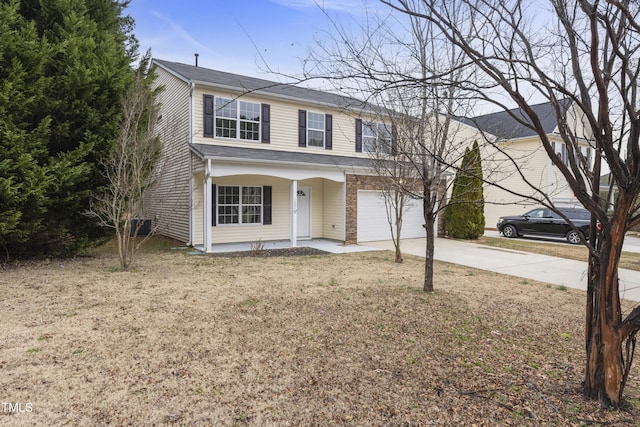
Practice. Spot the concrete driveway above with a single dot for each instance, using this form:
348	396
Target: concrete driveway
557	271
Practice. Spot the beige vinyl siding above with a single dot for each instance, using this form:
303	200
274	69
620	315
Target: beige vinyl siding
278	230
333	210
283	126
171	198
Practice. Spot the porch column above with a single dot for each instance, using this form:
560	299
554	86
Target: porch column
207	211
294	213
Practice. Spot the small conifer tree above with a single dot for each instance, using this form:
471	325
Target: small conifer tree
464	215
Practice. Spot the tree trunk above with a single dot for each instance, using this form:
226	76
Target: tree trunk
606	369
428	259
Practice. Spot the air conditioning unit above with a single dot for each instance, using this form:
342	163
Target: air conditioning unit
145	228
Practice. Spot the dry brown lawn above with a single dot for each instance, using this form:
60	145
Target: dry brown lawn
310	340
628	260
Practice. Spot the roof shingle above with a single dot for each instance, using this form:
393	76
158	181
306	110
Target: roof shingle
246	84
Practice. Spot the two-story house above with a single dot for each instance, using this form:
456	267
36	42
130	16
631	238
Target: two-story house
248	159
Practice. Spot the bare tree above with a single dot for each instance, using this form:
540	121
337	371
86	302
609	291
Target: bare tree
401	66
132	170
582	56
396	174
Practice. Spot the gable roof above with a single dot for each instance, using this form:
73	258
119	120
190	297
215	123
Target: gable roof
504	125
245	84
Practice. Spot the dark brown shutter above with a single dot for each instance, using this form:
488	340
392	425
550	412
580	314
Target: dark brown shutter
267	191
214	213
302	128
394	141
358	135
208	116
266	123
328	131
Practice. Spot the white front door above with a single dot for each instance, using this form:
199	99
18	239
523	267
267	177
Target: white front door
304	213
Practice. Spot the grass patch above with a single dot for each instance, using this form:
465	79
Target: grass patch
628	260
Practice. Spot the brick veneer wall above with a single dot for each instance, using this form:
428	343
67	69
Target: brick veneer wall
368	182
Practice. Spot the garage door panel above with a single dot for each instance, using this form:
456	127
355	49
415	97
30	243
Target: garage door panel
372	218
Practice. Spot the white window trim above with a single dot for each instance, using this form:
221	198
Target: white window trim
240	205
237	118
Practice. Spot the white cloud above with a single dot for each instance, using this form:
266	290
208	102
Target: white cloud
178	32
350	6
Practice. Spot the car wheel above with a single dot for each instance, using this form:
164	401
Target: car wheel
509	231
573	237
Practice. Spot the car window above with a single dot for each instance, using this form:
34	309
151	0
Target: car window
577	214
536	213
548	213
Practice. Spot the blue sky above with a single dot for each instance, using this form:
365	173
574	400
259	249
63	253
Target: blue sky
236	35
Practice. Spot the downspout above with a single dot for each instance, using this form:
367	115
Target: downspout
344	207
294	213
192	235
208	209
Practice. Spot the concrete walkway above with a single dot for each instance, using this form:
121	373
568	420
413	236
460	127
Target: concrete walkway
557	271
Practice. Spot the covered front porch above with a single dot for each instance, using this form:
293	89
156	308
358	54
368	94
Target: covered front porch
294	200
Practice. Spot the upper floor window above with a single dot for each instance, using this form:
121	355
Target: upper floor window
315	129
376	138
237	119
561	151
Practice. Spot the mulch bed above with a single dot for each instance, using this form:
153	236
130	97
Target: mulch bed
264	253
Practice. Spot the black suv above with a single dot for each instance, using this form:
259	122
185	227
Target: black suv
545	222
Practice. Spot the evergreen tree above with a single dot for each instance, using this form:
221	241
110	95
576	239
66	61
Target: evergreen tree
82	69
464	215
24	170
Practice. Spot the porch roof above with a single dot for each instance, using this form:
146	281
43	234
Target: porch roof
206	151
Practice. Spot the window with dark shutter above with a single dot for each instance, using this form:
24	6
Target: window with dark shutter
328	128
266	205
266	126
208	116
358	135
302	128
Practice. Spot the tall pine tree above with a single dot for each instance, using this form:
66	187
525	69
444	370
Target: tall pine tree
70	60
464	215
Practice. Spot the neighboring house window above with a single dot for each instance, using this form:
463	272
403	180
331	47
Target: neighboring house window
561	150
376	138
315	129
234	204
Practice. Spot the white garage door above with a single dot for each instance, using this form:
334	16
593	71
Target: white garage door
372	218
